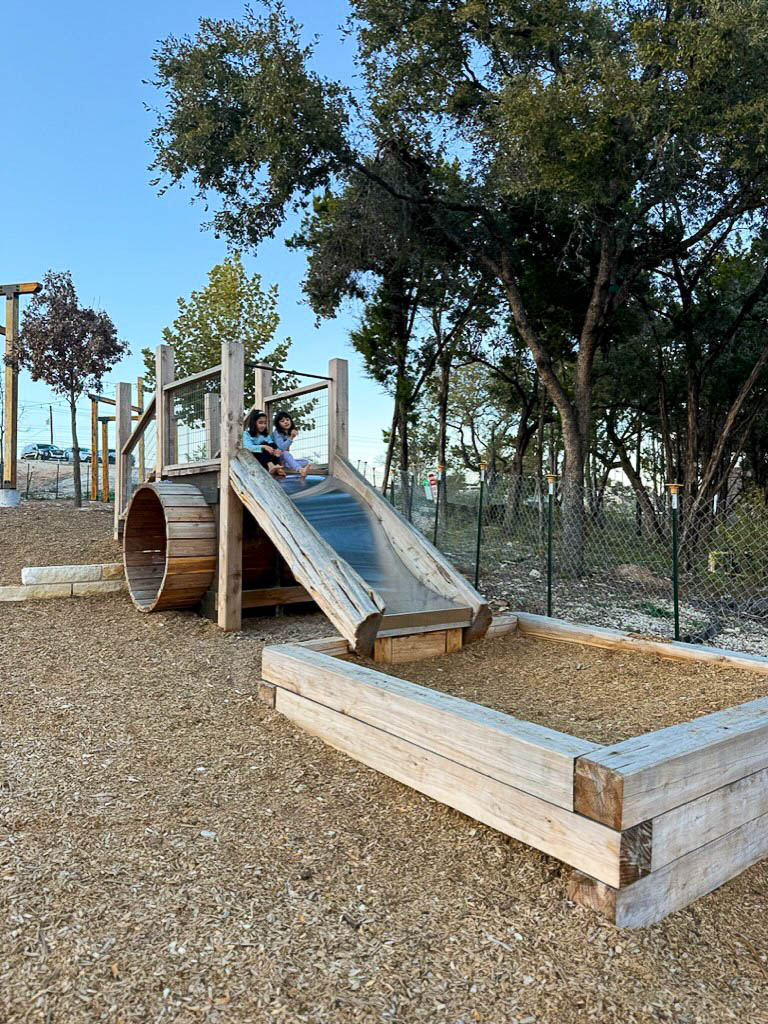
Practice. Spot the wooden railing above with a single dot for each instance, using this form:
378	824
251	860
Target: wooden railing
222	417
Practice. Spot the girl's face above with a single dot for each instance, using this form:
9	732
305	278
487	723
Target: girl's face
284	423
261	424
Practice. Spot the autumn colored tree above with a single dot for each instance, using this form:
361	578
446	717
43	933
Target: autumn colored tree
69	347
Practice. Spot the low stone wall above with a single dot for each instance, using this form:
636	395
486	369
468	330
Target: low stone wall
44	582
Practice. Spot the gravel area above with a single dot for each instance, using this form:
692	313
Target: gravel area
54	533
603	696
172	850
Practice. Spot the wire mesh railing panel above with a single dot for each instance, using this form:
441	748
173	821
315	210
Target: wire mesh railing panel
194	421
612	561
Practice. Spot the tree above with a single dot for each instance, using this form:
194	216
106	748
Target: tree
68	346
231	307
596	116
419	301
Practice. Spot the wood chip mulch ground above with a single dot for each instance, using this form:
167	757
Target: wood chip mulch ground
54	533
598	695
172	850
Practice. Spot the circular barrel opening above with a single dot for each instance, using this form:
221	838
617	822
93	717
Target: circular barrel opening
169	546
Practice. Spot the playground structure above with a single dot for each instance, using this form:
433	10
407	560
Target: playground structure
203	522
648	824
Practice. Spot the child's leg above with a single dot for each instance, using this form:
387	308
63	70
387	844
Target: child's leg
294	464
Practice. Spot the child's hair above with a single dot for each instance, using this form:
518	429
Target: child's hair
253	417
283	415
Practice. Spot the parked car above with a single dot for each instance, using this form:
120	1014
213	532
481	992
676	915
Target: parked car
85	454
43	452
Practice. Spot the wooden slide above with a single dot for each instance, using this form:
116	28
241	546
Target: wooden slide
369	570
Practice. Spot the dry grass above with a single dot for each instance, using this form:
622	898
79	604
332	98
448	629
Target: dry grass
598	695
171	850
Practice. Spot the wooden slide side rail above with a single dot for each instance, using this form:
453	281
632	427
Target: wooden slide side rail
423	559
354	608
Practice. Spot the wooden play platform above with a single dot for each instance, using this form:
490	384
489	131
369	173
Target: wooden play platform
204	524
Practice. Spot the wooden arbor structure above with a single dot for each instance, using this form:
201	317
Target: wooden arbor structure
12	293
267	553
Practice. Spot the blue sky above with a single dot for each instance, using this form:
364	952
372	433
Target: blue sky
77	196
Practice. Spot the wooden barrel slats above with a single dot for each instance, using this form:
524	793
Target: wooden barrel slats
169	546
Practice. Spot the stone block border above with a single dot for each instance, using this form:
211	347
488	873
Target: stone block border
43	582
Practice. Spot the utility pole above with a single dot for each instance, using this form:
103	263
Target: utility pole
9	495
50	420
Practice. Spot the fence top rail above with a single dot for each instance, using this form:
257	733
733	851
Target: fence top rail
110	401
192	378
308	389
138	430
284	369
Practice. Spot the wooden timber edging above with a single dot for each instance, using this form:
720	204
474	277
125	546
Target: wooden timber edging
615	640
353	606
426	563
681	810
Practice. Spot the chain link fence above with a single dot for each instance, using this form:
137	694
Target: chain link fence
612	558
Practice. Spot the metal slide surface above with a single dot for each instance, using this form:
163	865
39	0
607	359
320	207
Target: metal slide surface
351	529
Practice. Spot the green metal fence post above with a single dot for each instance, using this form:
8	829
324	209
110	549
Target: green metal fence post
410	498
392	491
479	525
674	490
437	503
551	478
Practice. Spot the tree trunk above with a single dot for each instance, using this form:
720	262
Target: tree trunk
402	432
442	424
691	473
390	451
76	454
644	502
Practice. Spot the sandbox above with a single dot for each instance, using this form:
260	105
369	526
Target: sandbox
649	823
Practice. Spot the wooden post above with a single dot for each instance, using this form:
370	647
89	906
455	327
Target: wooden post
11	420
338	410
164	371
122	462
262	379
104	459
140	404
230	585
94	450
212	413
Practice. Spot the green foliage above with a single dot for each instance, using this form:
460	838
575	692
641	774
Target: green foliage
246	118
231	307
